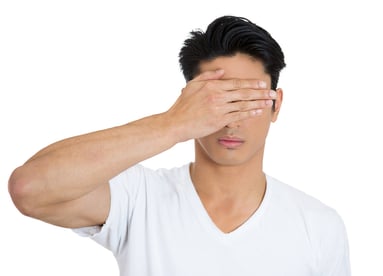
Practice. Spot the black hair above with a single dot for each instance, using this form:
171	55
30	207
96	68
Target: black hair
227	36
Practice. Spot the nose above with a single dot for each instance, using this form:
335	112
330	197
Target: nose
235	124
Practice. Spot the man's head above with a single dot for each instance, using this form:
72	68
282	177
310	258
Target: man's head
244	51
227	36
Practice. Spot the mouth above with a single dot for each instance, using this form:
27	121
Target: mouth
230	142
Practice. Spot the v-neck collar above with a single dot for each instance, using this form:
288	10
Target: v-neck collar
208	224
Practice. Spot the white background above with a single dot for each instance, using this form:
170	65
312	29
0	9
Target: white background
70	67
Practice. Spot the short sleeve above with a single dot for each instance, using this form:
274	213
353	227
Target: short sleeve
334	259
123	189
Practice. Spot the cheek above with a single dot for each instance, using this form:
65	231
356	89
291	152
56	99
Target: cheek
258	128
258	123
205	142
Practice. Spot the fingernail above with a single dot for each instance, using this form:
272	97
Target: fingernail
256	112
262	84
273	94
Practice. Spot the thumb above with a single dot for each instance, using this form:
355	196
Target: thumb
210	75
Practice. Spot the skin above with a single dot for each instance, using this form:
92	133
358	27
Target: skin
229	178
66	183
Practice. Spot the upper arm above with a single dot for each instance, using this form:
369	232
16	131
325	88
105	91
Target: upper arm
88	210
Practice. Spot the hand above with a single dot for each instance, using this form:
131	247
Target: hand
209	103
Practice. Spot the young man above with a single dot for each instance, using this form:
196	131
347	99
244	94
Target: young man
220	215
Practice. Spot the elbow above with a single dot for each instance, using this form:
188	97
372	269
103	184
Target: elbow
21	190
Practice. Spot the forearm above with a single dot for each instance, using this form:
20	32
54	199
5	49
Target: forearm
76	166
71	169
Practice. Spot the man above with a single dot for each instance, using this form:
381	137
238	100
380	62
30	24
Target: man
219	215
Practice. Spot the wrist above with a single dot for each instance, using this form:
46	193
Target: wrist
173	128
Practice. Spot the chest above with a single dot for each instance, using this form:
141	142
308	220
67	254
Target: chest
177	240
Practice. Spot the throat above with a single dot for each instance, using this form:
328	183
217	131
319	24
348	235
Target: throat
227	182
229	214
231	195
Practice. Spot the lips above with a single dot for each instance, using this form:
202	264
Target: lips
230	142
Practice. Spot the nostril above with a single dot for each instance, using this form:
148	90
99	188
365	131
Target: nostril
233	125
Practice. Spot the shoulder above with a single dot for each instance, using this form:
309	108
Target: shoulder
297	199
320	223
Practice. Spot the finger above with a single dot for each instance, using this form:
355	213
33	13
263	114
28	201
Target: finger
242	115
250	95
235	84
209	75
248	105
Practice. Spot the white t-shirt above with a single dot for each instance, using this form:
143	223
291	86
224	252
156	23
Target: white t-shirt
158	226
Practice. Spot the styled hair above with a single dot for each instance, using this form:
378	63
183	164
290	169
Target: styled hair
227	36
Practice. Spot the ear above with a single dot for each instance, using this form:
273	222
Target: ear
278	104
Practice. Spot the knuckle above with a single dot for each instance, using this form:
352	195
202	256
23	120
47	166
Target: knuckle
192	86
254	84
242	95
235	116
261	103
213	98
247	95
256	104
237	83
245	105
210	86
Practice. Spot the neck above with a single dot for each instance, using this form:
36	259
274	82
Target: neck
230	193
237	181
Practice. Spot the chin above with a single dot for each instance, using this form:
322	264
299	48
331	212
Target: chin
217	156
230	162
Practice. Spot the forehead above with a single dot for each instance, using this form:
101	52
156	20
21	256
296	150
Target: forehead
240	66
